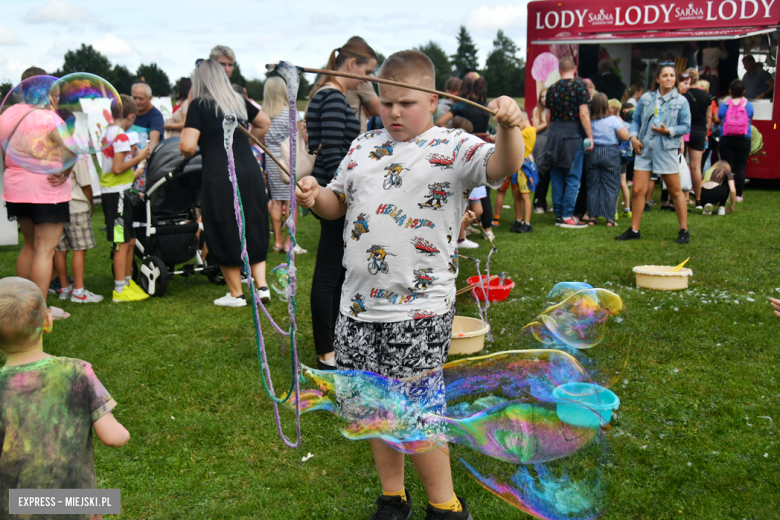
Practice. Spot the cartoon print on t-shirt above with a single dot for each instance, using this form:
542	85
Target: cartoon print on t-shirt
442	161
419	142
376	259
419	314
393	176
437	196
454	262
342	198
383	150
358	305
369	135
437	142
351	191
425	247
351	165
358	147
423	279
360	226
471	151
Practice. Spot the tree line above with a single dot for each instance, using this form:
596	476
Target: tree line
504	71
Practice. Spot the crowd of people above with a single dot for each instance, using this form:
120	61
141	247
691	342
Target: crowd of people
590	148
583	145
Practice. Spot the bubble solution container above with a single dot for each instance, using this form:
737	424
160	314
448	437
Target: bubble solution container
586	405
468	335
661	277
495	291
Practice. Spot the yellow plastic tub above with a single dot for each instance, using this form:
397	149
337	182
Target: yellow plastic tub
468	335
660	277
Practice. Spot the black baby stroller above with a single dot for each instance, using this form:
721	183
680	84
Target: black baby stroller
167	235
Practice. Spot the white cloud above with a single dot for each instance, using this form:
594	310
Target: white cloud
113	46
9	37
504	16
61	12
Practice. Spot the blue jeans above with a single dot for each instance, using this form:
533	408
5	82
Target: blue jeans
565	186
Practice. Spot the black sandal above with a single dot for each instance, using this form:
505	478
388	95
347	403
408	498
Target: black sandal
611	223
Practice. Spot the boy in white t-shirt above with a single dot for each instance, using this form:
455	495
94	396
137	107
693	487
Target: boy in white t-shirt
404	190
77	236
118	175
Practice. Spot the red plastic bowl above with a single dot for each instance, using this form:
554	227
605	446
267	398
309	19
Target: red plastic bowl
495	292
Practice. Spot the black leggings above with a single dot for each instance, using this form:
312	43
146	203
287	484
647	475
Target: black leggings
326	284
735	150
540	194
718	195
487	211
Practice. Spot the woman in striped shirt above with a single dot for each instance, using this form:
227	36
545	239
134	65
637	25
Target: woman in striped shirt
332	126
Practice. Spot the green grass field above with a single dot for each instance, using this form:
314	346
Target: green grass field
691	438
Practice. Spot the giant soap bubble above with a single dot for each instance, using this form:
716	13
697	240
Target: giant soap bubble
527	424
45	122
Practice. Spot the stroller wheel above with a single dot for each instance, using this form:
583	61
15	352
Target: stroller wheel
214	273
154	276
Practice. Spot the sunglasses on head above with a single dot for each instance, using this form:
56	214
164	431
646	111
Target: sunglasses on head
685	76
199	61
666	64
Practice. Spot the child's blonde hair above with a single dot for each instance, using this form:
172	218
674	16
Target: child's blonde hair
614	106
703	84
274	97
22	313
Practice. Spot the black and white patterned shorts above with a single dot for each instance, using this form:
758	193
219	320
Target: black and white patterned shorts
399	350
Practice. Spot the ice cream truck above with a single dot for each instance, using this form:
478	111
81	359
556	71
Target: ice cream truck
619	43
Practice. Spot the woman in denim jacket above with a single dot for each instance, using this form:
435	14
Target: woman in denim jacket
656	139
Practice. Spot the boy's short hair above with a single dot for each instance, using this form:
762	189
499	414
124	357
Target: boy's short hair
129	105
22	313
615	104
566	65
462	122
453	84
410	67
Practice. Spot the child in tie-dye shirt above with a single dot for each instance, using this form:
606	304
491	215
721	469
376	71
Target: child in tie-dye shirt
48	405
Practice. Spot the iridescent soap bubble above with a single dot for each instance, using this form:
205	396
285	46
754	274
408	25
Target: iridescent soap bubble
528	424
45	122
30	128
91	111
280	281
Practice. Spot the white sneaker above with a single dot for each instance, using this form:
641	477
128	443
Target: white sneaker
722	210
538	210
707	209
489	233
230	301
65	292
467	244
264	293
299	250
87	297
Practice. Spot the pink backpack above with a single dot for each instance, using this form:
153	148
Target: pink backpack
736	121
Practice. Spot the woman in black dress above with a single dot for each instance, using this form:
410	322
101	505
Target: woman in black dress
213	98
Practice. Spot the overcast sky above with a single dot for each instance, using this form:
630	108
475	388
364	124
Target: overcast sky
175	33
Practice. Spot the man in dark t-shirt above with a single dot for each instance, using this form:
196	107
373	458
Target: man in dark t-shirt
149	117
569	117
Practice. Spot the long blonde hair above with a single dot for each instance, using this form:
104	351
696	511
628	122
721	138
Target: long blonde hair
274	97
209	81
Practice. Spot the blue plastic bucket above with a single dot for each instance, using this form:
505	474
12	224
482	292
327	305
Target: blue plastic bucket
586	405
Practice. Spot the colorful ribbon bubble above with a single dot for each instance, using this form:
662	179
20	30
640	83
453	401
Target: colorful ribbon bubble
527	424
